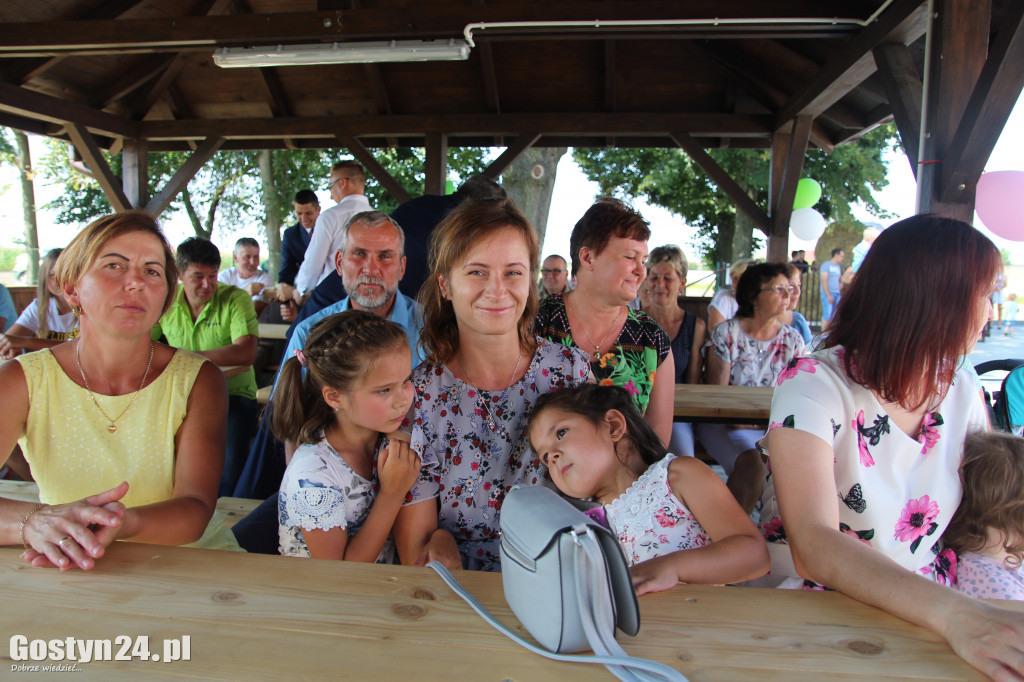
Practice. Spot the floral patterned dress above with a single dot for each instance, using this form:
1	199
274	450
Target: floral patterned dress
755	362
320	491
650	521
634	358
896	493
473	446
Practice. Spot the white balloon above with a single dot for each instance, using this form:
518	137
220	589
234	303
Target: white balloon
807	224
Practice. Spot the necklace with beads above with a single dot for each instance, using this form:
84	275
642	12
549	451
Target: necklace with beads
112	426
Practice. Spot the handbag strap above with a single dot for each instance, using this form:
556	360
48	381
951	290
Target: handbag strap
650	670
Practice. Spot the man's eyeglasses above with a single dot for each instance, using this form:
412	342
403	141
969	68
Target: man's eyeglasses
552	271
782	291
336	181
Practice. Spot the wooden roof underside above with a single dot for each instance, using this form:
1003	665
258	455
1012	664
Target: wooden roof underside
143	69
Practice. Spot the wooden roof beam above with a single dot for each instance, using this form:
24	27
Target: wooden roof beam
435	169
508	157
132	79
93	157
37	66
365	157
994	96
203	153
21	101
139	107
903	85
768	96
903	21
601	124
721	177
789	148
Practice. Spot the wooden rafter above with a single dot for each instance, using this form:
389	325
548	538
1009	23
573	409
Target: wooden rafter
37	66
139	107
722	178
365	157
132	79
183	175
904	19
698	125
45	107
507	157
771	98
135	171
903	86
93	157
994	96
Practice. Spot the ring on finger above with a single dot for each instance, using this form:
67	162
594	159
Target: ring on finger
66	538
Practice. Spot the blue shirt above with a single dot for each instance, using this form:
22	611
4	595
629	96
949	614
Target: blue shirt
833	271
7	310
859	252
406	313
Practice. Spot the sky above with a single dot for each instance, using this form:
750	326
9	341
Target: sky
573	194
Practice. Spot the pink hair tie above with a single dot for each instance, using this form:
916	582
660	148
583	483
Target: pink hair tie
301	358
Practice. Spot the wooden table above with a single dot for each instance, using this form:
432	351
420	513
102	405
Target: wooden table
232	509
268	618
272	331
723	404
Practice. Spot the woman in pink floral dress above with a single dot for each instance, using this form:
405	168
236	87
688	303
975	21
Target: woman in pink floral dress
867	433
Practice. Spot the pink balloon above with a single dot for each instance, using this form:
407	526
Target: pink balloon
1000	203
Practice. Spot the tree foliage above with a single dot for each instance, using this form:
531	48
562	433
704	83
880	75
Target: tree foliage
671	179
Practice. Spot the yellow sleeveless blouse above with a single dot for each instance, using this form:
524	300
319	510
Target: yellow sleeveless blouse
73	455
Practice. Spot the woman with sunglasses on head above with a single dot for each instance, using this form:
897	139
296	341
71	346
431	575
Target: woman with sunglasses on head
751	349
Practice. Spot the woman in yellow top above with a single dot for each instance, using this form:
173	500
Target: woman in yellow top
125	436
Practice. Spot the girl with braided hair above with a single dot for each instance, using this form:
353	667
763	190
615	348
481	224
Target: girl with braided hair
337	398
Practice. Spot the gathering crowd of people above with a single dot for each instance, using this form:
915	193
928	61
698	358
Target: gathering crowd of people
435	361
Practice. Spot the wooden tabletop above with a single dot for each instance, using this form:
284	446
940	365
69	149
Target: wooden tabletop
725	404
272	331
264	617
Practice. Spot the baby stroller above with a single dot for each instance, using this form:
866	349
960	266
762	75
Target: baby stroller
1006	406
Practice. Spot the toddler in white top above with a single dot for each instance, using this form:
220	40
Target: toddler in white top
987	531
676	521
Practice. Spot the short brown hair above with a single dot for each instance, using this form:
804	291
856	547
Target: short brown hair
450	241
354	170
79	255
910	313
607	218
992	477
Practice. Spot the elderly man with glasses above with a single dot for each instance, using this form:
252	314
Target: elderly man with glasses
554	277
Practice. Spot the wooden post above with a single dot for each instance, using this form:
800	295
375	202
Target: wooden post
135	171
436	163
959	46
787	162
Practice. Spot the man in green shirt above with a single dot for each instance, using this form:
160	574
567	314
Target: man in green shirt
217	321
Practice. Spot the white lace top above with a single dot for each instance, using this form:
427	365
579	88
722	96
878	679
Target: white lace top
649	519
321	491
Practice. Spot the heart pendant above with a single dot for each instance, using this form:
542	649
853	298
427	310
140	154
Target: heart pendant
112	428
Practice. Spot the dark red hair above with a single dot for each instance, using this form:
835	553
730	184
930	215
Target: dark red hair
911	312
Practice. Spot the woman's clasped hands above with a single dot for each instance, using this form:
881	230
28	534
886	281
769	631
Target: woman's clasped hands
75	534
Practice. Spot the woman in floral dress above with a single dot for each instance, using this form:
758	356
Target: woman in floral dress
867	433
750	349
627	348
483	371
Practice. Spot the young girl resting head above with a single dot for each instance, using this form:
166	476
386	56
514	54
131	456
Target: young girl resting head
677	522
338	501
987	531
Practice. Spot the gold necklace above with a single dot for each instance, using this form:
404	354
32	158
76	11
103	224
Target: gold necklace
112	427
597	346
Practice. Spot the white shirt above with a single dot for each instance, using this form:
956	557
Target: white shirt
232	277
60	326
326	239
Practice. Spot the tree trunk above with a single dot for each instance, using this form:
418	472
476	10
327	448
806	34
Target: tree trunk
724	240
530	182
28	205
742	236
272	210
193	216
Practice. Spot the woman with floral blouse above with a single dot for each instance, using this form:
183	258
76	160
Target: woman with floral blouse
866	435
626	347
475	390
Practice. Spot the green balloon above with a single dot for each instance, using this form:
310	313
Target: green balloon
449	187
807	193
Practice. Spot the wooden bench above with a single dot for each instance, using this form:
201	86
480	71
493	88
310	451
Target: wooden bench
233	509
